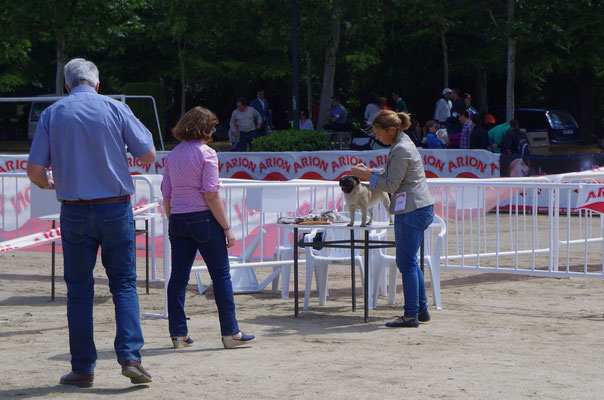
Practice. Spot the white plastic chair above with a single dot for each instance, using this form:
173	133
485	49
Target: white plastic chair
285	252
432	251
378	269
380	266
318	261
243	276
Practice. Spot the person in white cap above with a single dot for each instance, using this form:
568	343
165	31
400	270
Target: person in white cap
443	108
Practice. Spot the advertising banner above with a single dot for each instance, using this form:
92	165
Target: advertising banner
331	165
513	165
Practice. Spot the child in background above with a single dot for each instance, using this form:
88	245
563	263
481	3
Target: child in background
431	140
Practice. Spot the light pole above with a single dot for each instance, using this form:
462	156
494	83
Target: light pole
295	71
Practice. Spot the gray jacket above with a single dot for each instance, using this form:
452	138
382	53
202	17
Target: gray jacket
404	172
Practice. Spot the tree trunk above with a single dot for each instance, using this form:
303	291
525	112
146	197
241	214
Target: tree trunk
61	59
445	58
310	110
587	101
481	89
329	69
511	78
181	61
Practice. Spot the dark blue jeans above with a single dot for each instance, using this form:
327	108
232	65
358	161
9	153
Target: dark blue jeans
190	232
246	138
408	232
83	229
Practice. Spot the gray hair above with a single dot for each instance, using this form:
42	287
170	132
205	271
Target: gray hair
79	71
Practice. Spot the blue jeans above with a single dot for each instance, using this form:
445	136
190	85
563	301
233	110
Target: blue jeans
246	138
408	232
190	232
83	229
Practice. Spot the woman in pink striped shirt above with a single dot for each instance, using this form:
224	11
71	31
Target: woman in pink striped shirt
198	222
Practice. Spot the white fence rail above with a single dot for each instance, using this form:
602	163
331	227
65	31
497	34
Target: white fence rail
511	236
493	225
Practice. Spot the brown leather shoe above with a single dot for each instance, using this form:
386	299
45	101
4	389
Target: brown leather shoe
84	380
135	371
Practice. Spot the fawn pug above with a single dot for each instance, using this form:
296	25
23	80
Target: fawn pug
359	195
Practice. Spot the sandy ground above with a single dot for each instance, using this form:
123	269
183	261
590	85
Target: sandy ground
498	336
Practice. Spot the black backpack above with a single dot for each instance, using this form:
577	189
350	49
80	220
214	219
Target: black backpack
524	147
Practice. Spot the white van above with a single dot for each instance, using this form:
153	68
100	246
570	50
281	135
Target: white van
34	113
40	103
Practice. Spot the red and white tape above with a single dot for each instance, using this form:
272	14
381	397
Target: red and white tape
54	234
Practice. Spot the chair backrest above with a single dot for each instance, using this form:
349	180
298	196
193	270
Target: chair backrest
432	248
251	247
340	234
381	234
43	202
310	251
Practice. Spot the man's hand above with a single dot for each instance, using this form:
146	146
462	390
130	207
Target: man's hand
148	157
38	176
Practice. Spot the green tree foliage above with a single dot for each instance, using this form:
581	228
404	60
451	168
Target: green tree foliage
143	108
292	140
207	52
14	51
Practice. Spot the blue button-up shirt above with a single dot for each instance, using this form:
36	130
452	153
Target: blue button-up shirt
83	138
339	113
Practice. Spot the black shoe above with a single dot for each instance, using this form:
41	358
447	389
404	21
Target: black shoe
401	323
79	380
423	316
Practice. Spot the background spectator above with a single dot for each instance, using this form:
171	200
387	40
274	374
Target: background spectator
384	104
468	102
372	108
442	112
479	138
245	123
414	132
430	139
261	105
399	103
497	135
513	138
466	130
305	123
337	116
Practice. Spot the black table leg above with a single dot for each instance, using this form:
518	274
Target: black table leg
52	283
366	291
296	311
354	295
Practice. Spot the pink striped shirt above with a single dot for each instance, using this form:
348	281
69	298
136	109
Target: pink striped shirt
190	170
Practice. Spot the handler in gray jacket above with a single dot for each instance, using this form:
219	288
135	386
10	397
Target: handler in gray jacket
412	205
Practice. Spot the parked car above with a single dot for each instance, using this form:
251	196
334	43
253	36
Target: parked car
559	124
34	115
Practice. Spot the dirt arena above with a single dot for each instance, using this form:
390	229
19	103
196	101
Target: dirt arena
497	336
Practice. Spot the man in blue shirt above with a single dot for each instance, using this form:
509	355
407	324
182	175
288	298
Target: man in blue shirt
83	138
261	105
337	116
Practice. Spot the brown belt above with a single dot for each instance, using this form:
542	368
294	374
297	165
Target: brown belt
106	200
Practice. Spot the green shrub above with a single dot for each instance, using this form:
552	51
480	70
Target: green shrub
293	140
143	108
